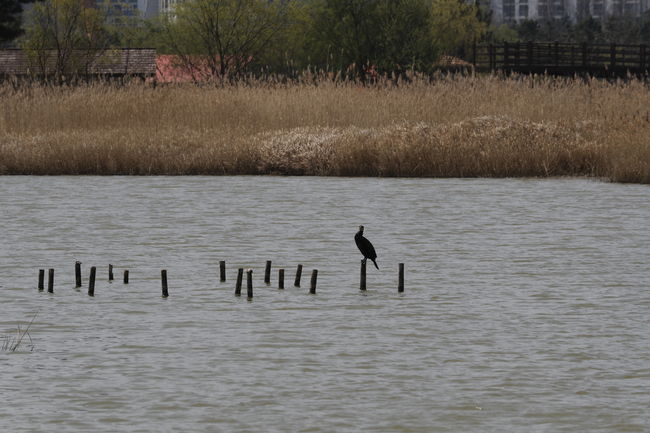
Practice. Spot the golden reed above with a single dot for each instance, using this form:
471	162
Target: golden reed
453	127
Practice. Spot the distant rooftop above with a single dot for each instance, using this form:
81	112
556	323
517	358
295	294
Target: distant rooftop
113	62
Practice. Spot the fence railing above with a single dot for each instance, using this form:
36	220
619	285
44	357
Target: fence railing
562	58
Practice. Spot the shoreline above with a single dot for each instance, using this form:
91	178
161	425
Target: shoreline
467	127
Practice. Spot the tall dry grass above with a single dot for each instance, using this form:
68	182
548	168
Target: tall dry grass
459	126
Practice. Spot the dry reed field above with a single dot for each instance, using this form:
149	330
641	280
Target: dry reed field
482	126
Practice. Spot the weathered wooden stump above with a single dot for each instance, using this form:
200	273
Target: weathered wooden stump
267	273
296	283
314	278
249	283
163	276
91	281
240	276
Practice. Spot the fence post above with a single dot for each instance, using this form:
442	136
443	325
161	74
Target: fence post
491	57
530	56
517	54
474	53
612	56
642	53
505	56
556	48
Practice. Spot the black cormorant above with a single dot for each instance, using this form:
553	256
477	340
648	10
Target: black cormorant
365	247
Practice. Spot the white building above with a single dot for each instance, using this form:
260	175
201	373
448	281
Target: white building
575	10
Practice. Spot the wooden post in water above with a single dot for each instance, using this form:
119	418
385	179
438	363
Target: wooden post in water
110	272
400	281
126	276
267	273
249	283
91	281
281	279
298	275
240	275
77	274
362	279
50	281
41	279
163	276
222	271
314	277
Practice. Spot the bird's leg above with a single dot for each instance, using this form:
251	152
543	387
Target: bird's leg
364	260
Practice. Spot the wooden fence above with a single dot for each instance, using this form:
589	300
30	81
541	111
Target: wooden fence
557	58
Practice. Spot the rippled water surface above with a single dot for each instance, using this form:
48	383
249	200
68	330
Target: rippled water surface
527	306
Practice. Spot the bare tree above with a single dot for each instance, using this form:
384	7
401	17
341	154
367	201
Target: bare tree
220	38
65	37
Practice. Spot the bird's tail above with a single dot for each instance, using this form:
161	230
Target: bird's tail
373	260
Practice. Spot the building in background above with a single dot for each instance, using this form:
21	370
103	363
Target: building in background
508	11
504	11
166	6
148	8
115	9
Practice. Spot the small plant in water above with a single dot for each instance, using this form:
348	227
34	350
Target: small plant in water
11	343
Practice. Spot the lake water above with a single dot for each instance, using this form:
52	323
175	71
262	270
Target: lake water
526	309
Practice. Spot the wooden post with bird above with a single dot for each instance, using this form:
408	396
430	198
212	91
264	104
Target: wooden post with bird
368	252
365	246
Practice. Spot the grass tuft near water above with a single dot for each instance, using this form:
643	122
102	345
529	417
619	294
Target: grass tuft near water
453	127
